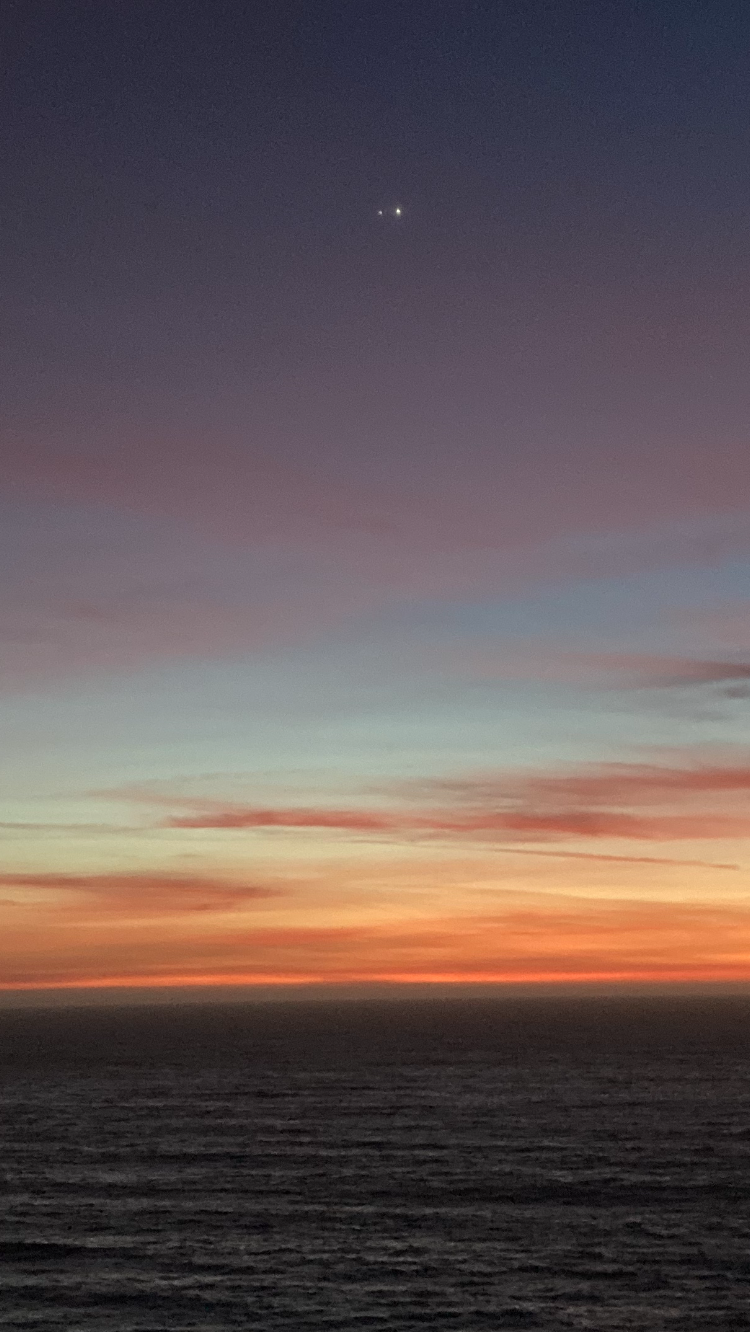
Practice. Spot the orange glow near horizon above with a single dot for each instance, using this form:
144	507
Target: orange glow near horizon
563	940
324	905
681	976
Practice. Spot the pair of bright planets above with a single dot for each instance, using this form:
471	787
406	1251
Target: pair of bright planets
394	211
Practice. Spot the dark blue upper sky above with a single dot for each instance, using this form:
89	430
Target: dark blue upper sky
605	130
190	211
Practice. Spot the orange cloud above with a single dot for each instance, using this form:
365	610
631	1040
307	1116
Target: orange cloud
142	894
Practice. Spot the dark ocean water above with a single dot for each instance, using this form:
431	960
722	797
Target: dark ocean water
564	1164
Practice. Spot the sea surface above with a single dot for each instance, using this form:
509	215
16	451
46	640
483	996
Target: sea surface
458	1164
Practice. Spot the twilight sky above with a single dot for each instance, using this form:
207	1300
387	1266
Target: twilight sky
375	597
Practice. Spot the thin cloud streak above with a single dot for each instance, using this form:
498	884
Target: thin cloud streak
146	893
587	823
603	783
673	861
662	672
544	661
641	802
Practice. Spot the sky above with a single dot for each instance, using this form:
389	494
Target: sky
374	493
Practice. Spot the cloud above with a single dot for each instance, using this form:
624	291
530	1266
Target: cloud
625	860
319	452
525	823
726	623
706	672
91	590
540	660
39	828
243	816
46	639
641	802
145	893
663	672
602	784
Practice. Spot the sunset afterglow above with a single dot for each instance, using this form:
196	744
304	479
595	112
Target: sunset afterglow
375	595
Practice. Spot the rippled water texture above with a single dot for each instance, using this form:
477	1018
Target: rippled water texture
458	1165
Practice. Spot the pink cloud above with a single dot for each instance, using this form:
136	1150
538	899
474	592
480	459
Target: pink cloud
250	817
147	598
522	823
629	801
663	672
607	788
322	459
542	660
146	893
726	624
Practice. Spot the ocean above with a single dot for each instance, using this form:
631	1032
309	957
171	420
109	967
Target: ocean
535	1163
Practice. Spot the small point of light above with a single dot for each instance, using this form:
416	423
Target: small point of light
397	212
